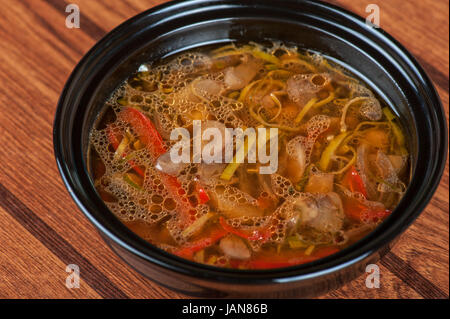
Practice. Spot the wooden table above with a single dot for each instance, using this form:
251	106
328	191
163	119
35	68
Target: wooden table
42	230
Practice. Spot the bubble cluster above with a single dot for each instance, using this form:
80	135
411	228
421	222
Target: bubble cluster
359	90
371	109
314	127
302	87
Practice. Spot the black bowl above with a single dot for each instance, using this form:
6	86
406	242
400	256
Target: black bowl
180	25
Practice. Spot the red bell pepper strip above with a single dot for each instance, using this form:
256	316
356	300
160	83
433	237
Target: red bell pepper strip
279	262
145	129
260	234
151	138
202	194
358	211
114	141
355	182
188	251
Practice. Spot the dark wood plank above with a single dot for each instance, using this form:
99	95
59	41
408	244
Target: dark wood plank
35	79
390	287
57	245
29	270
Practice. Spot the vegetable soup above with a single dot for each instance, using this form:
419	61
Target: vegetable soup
342	158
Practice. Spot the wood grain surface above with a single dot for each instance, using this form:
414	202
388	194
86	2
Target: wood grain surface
42	231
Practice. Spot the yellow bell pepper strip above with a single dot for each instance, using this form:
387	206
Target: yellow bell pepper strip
330	150
197	225
305	110
326	100
131	180
232	167
265	56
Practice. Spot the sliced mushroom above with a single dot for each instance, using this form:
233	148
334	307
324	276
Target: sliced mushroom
371	109
223	199
296	162
194	91
165	164
267	102
307	207
238	77
234	247
363	165
320	183
208	173
303	87
387	173
398	163
324	212
235	210
208	87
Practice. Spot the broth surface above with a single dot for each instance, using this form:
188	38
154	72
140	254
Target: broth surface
343	161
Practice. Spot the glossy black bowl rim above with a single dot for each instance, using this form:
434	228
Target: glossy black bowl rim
349	256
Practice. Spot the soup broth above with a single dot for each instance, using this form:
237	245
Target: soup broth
342	157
